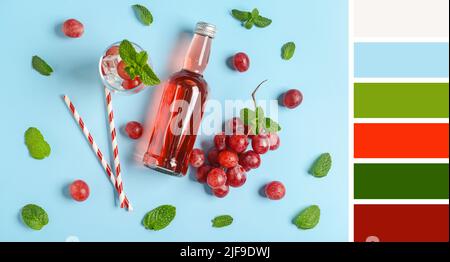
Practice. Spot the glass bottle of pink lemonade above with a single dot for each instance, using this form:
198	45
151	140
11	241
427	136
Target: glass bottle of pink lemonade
181	108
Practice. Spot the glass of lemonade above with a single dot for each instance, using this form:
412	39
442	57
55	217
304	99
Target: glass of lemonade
113	74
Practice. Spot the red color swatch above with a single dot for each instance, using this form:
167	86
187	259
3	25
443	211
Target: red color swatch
401	140
401	223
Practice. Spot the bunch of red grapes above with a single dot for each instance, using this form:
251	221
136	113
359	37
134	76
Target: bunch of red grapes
229	160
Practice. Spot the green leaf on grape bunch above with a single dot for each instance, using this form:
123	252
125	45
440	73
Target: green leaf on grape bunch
257	122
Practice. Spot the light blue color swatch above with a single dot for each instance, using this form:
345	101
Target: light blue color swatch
320	124
401	60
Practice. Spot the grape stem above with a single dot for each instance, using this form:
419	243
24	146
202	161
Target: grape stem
254	92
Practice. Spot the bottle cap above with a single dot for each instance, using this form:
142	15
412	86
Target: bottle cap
205	29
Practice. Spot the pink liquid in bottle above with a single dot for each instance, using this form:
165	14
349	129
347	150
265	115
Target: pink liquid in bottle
181	109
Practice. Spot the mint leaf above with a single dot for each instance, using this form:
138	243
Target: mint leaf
149	77
142	58
248	116
36	144
159	218
127	52
249	24
256	121
242	16
34	216
144	14
39	151
130	71
288	50
321	166
33	135
222	221
255	13
262	21
41	66
308	218
259	120
271	126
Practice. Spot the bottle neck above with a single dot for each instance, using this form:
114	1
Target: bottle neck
197	56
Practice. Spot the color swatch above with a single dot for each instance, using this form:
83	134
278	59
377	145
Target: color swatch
401	181
399	223
401	100
400	127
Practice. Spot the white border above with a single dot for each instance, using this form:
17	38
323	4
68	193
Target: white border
401	202
400	80
402	120
401	39
401	161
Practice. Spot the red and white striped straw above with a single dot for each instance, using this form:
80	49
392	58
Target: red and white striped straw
114	146
96	150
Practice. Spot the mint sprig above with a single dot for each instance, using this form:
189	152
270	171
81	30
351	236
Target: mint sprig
249	19
144	14
256	119
137	64
41	66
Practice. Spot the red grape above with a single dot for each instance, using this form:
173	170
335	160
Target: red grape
274	141
73	28
134	129
236	176
79	190
249	159
213	157
130	84
275	190
113	50
246	168
241	62
228	158
238	143
202	173
197	158
221	191
219	141
260	143
216	178
121	71
292	98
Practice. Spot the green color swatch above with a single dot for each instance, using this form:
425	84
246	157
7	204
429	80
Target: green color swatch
401	100
401	181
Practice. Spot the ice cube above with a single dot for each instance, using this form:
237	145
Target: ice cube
109	65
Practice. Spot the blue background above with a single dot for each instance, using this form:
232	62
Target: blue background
319	69
401	59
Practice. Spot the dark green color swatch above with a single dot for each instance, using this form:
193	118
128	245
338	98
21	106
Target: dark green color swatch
401	100
401	181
